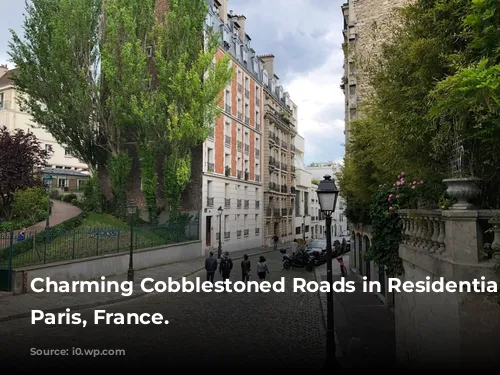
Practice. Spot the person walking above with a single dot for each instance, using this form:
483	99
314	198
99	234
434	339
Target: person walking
245	269
226	266
275	239
211	267
262	269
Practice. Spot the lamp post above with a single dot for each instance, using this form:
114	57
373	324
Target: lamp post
219	251
327	196
48	183
131	210
304	227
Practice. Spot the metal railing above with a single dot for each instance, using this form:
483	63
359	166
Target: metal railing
257	204
238	203
257	153
284	212
210	167
240	88
239	146
257	102
247	93
240	116
247	120
246	203
227	202
257	178
239	174
228	108
246	232
57	244
247	149
210	201
227	140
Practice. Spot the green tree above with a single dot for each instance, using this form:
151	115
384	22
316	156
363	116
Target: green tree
89	79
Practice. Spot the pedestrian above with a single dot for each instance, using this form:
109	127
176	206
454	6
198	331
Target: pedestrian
211	267
245	269
275	239
21	236
262	269
225	267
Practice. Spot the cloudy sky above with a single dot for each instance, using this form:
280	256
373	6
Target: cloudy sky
305	37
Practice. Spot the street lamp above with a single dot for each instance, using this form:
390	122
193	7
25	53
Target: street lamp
304	227
219	252
131	210
327	196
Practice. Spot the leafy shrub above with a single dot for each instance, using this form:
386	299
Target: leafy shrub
68	198
54	194
30	205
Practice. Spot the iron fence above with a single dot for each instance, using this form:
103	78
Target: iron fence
50	246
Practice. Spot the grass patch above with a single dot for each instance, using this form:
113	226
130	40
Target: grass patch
96	234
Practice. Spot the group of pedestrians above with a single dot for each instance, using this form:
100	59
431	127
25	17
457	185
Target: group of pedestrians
225	266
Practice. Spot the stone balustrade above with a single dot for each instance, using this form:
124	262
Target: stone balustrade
424	229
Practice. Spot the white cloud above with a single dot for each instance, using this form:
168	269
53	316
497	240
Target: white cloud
319	92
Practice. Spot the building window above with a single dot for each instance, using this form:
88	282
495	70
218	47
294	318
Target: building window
67	152
62	183
1	101
297	230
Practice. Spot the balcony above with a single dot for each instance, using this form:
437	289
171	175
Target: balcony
257	153
257	231
228	109
239	146
276	212
284	189
227	141
247	149
257	127
238	233
257	102
227	202
247	93
246	204
290	211
239	174
240	116
284	212
240	87
238	203
284	166
210	201
292	148
257	178
227	235
257	204
284	144
247	175
292	190
269	212
210	167
271	137
247	120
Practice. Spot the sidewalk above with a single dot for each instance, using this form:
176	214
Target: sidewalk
20	306
364	327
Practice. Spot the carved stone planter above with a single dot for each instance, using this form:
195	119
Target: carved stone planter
463	190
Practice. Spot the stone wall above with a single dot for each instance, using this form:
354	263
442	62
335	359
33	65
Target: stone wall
447	329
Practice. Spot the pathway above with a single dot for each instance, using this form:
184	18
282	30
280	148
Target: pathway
61	211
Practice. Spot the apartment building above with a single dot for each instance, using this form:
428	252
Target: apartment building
317	172
233	165
280	124
13	118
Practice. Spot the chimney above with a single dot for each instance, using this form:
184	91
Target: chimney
241	21
268	60
3	69
223	10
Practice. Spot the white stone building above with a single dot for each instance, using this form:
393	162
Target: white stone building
13	118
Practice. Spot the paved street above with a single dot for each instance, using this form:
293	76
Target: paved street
206	330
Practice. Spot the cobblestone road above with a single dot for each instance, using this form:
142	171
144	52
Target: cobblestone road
206	330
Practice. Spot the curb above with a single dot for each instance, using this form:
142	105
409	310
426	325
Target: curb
110	301
339	353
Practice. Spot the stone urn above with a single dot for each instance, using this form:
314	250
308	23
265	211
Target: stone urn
464	190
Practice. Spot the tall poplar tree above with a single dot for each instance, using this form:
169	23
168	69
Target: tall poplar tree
103	76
